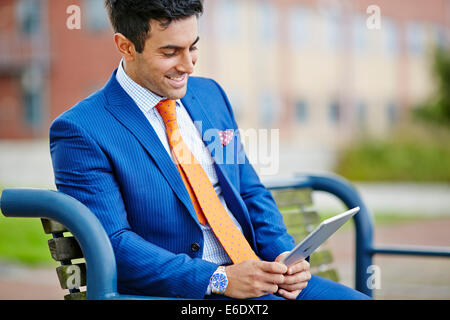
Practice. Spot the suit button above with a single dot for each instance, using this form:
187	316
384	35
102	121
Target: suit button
195	247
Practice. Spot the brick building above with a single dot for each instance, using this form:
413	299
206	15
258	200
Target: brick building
45	67
312	68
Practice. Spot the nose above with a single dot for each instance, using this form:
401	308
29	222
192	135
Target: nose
187	62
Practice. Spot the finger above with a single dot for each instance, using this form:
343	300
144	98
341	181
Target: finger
298	277
281	256
273	267
269	278
299	267
270	288
291	295
295	286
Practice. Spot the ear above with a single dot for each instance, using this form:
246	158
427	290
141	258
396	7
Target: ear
126	47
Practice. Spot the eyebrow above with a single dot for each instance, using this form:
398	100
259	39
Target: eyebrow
170	46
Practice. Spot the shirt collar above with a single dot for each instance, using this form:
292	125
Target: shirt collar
144	98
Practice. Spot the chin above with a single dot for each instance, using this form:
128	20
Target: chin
176	94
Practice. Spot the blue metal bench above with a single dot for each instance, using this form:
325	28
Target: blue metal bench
98	253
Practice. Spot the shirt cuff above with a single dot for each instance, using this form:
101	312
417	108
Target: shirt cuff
208	290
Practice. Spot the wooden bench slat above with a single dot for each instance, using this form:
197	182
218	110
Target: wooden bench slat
51	226
72	276
300	219
65	248
76	296
302	197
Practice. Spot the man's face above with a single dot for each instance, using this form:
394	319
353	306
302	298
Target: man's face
168	58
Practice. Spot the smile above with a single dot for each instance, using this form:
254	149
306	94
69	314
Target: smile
178	81
177	78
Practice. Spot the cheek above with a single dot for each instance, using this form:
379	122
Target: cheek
157	67
166	67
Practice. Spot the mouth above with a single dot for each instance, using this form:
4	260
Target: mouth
177	81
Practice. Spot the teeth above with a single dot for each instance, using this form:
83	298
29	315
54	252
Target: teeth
177	79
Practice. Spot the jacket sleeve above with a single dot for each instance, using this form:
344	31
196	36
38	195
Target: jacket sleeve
83	171
270	231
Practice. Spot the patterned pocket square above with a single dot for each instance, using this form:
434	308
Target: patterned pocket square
225	136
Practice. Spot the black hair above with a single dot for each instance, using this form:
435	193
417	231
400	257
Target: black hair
132	17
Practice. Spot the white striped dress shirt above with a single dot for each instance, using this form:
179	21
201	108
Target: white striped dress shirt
146	101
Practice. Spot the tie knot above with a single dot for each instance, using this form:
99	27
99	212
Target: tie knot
167	110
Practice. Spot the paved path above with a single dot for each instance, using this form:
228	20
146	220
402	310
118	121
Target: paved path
402	277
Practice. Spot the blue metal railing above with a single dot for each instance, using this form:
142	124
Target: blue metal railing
99	255
363	223
83	224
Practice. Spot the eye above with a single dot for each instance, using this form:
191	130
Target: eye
170	53
194	48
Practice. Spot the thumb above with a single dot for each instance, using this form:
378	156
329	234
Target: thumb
281	255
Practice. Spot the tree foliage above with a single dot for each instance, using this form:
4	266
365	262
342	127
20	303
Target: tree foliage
437	108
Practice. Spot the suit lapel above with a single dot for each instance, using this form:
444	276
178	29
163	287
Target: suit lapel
125	110
210	132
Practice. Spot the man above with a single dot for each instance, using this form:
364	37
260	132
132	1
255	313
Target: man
145	154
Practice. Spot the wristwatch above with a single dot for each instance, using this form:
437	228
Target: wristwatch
219	281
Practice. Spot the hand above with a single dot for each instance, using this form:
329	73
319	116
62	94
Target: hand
295	280
251	279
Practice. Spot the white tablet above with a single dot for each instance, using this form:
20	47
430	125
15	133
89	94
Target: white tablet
318	236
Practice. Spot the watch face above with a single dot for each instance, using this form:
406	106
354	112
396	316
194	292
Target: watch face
219	282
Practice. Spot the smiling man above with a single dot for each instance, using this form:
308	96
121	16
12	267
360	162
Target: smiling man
164	64
203	228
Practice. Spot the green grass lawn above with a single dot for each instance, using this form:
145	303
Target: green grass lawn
23	240
413	152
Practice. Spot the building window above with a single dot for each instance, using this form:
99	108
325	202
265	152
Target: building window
359	33
236	98
390	36
32	88
228	24
301	111
415	38
361	112
29	16
32	101
392	113
300	26
332	31
270	109
267	21
440	40
95	15
334	112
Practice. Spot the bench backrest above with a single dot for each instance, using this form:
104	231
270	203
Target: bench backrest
65	248
296	206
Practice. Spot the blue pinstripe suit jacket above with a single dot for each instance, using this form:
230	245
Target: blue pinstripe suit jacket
107	155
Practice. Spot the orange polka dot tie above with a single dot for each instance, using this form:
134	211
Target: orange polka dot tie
202	193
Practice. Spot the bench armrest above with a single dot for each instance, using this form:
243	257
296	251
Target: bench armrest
82	223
